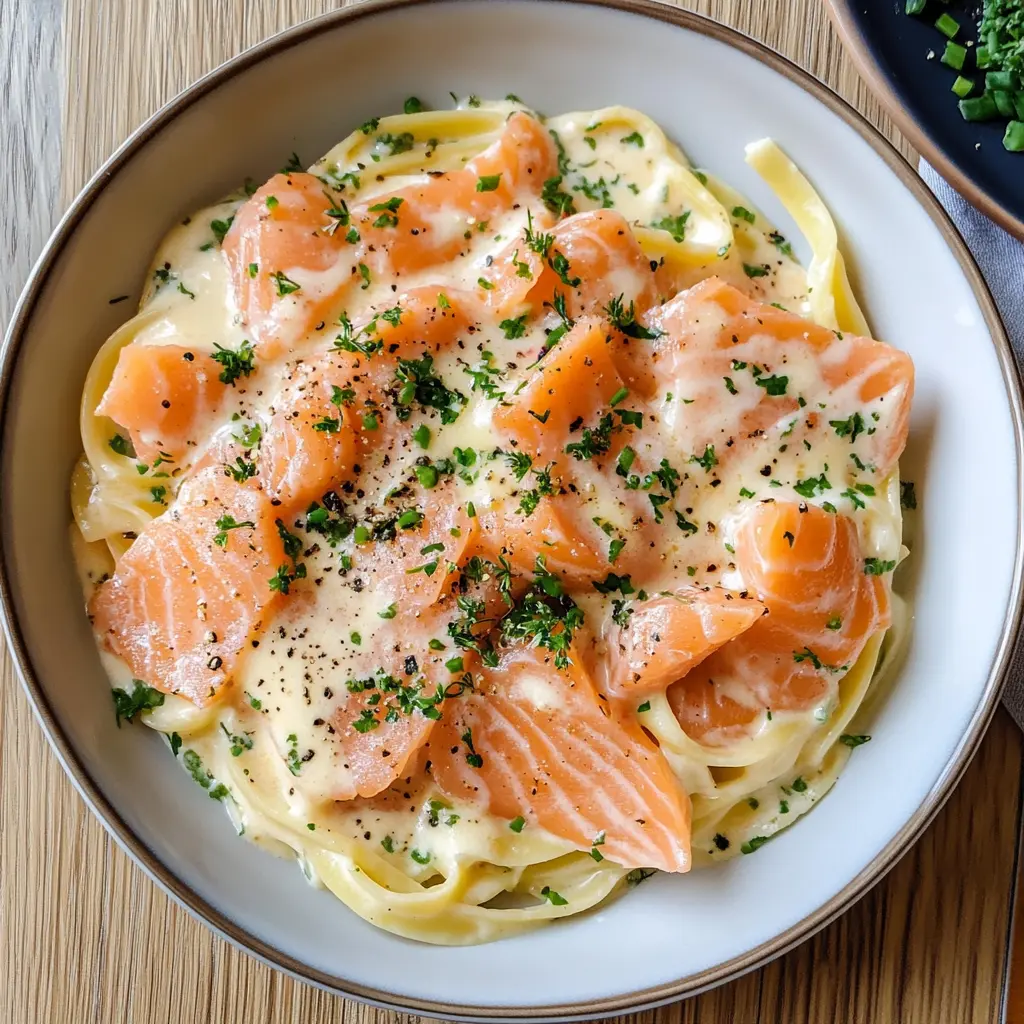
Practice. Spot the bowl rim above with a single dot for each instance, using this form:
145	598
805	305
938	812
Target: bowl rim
667	992
860	49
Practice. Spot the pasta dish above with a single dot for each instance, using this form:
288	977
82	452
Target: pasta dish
497	512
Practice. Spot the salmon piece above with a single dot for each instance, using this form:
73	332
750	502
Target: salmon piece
287	262
290	260
318	431
606	257
537	742
667	636
414	567
807	567
314	440
604	262
569	396
572	387
427	224
165	396
713	332
571	546
182	607
423	321
388	737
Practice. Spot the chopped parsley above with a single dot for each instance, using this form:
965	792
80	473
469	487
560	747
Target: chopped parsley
773	385
812	485
488	182
236	363
708	460
284	284
625	321
226	523
286	576
194	764
474	760
142	698
594	441
878	566
852	427
220	229
554	898
388	212
514	328
516	824
395	144
238	744
120	445
555	199
415	381
545	616
675	226
854	739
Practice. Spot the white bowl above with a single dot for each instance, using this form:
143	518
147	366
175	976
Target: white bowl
714	91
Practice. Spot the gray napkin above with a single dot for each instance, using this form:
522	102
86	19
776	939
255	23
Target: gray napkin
1001	259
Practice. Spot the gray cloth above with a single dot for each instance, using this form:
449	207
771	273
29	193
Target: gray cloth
1001	259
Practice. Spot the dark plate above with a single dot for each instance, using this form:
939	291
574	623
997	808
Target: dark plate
891	50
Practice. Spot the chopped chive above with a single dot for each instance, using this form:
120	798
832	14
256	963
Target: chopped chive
963	87
979	108
1000	81
947	25
1004	104
915	6
954	55
1013	140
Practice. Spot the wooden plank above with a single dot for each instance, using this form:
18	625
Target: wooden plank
84	936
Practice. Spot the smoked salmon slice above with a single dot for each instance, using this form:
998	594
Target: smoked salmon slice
537	742
667	636
739	364
415	227
295	249
589	258
575	383
165	396
573	416
421	322
287	259
824	601
381	723
313	442
195	587
422	564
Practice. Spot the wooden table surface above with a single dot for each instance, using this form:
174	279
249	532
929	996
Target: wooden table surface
85	937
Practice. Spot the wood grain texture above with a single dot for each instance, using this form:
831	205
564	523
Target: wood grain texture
86	937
